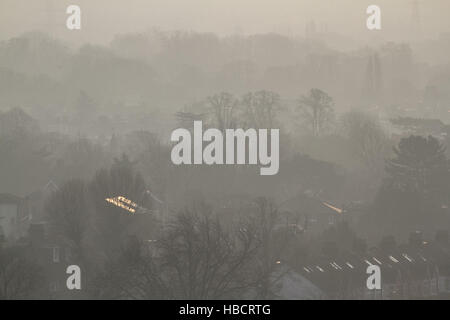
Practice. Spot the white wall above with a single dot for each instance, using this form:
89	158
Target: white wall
8	219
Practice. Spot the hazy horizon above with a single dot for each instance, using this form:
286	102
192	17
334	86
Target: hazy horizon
102	19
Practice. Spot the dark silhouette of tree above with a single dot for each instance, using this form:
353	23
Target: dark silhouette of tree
205	260
275	241
317	109
135	274
20	278
68	212
420	165
198	257
110	222
415	191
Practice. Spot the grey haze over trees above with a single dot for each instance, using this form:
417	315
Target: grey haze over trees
317	109
260	109
415	190
420	165
219	232
368	139
200	256
223	110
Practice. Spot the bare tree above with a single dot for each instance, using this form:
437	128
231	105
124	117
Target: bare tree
223	108
317	109
274	243
135	274
68	211
367	138
260	109
197	258
205	260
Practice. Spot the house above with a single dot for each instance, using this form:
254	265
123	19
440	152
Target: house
291	285
33	204
9	217
284	283
50	253
24	225
406	126
410	271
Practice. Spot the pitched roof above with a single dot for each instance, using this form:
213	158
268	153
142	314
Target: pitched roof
9	198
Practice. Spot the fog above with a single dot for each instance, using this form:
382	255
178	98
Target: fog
224	149
105	18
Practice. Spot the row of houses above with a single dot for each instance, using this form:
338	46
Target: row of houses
24	228
17	214
418	269
412	271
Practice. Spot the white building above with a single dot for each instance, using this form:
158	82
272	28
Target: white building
9	216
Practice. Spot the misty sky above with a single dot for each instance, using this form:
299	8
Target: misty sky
102	19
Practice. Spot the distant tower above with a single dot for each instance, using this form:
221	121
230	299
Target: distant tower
372	89
377	76
415	16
